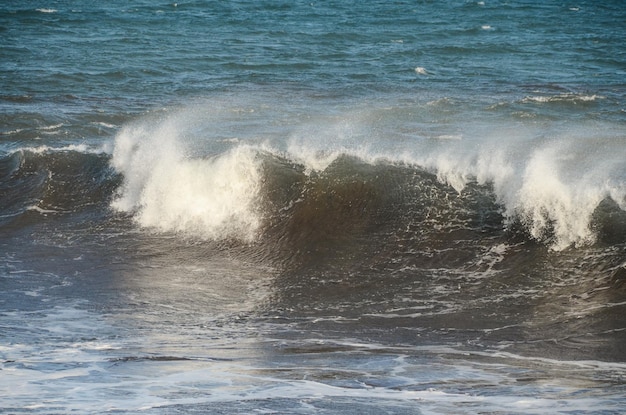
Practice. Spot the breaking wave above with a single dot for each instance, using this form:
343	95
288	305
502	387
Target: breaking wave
212	197
561	191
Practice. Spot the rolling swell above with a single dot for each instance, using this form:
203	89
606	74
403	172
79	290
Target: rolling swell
263	197
36	182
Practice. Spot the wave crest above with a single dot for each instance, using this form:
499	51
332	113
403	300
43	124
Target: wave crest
169	190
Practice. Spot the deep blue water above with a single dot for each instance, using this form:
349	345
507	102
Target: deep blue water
151	52
312	207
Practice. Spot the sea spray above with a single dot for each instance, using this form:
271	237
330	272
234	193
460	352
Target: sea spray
169	190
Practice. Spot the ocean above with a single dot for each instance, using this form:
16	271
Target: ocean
313	207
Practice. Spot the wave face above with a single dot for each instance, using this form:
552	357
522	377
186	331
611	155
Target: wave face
37	181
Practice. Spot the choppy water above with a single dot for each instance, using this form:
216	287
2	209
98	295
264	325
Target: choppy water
312	207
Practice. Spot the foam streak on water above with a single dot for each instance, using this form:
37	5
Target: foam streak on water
91	369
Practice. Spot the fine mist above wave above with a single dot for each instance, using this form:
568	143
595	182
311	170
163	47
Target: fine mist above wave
560	188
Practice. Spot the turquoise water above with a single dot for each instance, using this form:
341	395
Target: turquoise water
312	207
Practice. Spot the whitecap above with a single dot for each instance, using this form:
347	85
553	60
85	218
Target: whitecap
569	97
170	191
104	124
51	127
449	137
38	209
11	132
79	148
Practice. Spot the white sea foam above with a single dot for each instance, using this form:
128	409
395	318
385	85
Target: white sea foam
388	379
170	190
449	137
82	363
79	148
104	124
51	127
10	132
553	186
570	98
38	209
